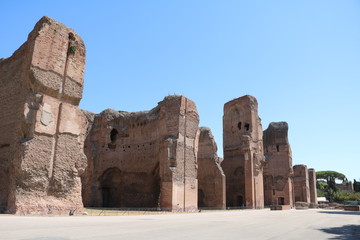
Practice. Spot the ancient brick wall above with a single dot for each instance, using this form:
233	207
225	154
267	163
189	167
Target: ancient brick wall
42	128
144	159
278	189
211	178
12	98
312	186
243	153
301	183
348	186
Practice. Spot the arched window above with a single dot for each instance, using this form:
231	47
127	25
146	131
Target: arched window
113	135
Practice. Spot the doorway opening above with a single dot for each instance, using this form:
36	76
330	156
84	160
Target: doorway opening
110	183
281	201
240	201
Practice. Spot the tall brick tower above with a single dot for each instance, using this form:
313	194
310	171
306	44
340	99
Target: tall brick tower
243	153
278	187
41	140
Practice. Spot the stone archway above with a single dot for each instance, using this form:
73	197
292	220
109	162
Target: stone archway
110	187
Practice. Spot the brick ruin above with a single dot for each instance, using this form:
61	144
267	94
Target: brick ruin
312	186
348	186
143	159
41	141
243	153
278	187
301	183
211	178
55	157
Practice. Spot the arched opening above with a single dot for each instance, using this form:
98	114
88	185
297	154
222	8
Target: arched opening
113	135
155	196
110	184
201	197
238	188
240	201
281	201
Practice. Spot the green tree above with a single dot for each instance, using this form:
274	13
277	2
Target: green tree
330	177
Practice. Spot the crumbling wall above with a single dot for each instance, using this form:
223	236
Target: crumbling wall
312	186
211	178
40	145
243	153
278	188
348	186
301	183
144	159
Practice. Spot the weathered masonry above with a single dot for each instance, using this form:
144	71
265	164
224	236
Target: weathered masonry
243	153
211	178
312	186
143	159
55	157
301	184
41	141
278	187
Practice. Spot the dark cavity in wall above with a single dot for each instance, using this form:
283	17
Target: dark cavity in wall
113	135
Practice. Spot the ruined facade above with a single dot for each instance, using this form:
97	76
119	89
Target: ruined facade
41	140
243	153
143	159
55	157
312	186
346	186
278	187
301	183
211	178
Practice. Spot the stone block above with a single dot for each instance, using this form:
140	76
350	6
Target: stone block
47	116
280	207
71	120
352	208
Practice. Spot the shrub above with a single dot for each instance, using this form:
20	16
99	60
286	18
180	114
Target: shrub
342	196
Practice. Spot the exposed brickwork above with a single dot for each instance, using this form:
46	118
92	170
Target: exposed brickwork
312	186
301	184
212	191
40	145
278	188
157	158
243	153
144	159
348	186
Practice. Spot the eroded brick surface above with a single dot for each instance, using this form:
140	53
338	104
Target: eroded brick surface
41	145
301	184
144	159
278	173
243	153
312	186
211	178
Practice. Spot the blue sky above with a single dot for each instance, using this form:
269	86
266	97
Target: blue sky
300	59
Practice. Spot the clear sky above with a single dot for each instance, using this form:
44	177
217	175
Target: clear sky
300	59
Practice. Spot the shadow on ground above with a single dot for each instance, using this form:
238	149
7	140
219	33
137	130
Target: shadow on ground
346	232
